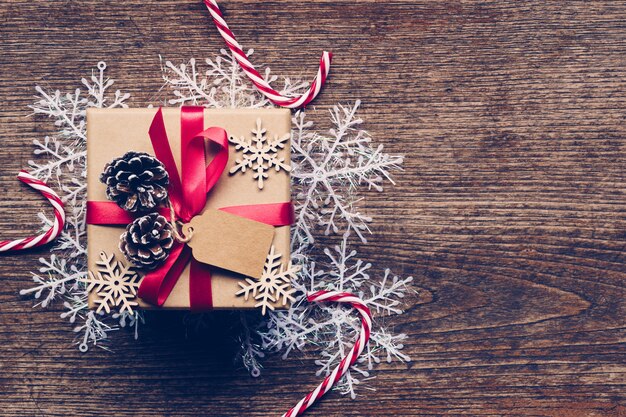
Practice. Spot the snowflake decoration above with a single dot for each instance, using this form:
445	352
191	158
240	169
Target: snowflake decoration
115	283
274	284
329	326
61	158
260	154
222	85
328	170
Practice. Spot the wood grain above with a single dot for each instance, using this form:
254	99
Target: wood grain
509	212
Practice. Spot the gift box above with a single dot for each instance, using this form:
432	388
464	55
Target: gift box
237	250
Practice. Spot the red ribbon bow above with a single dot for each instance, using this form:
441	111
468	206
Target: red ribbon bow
187	193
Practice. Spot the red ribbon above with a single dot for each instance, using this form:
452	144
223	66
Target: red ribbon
187	193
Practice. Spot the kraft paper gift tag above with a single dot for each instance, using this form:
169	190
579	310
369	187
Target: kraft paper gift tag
230	242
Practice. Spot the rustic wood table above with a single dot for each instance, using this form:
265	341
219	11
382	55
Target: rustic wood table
509	212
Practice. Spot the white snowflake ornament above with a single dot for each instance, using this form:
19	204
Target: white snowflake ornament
61	159
115	283
260	154
274	284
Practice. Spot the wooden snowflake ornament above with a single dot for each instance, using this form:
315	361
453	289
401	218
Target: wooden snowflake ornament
274	285
115	283
260	154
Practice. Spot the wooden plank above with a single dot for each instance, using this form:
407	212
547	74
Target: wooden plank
509	212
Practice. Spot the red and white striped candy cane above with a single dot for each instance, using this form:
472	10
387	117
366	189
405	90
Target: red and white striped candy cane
349	360
273	95
52	232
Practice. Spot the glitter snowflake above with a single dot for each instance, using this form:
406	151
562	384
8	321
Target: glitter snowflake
333	327
274	284
328	171
115	283
61	161
222	84
260	154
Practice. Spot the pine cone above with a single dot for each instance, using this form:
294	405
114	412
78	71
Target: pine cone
136	181
147	241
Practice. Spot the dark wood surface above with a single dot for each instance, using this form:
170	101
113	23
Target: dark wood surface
509	213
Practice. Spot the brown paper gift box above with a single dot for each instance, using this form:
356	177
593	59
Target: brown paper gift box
113	132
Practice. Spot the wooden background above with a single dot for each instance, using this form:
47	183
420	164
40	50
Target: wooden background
509	213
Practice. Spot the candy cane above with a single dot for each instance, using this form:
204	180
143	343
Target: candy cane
273	95
346	362
52	232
